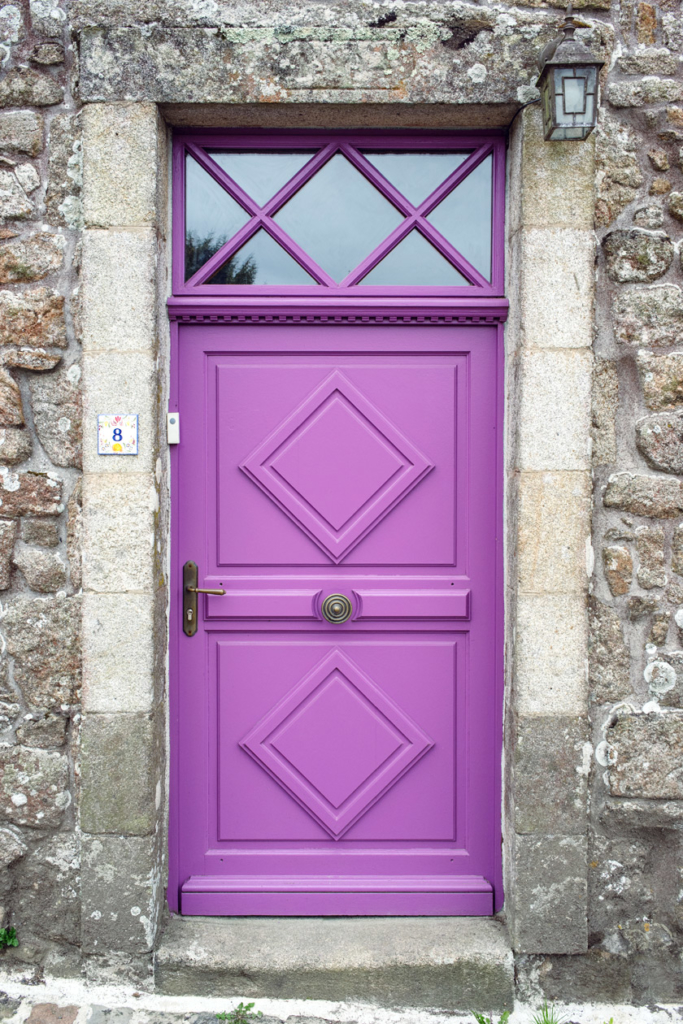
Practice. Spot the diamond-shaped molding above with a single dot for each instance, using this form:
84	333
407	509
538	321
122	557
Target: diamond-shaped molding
336	466
336	743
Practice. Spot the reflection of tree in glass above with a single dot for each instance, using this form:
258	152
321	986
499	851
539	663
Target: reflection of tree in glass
232	273
199	250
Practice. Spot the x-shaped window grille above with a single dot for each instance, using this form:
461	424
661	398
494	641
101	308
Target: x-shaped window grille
415	217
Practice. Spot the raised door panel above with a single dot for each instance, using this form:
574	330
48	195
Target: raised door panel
326	461
344	740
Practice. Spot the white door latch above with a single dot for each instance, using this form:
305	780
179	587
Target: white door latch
173	427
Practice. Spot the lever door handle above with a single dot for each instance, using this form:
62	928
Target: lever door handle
190	591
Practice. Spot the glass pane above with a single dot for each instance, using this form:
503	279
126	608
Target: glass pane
261	175
566	134
575	95
414	261
261	261
416	175
338	217
464	217
211	216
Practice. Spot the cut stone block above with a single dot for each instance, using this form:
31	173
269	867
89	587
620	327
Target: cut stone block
550	894
550	775
646	753
121	892
447	964
117	794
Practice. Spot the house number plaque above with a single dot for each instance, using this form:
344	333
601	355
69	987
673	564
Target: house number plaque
117	434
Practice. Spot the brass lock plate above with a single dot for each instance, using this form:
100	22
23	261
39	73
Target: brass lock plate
190	579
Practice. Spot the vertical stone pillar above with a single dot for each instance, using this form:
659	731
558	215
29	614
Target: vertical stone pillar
549	339
124	527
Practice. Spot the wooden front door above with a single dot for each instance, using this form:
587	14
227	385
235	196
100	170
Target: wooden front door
336	702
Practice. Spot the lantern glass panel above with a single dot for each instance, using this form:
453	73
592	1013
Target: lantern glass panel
567	134
574	94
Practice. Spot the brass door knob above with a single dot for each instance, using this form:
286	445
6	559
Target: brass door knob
337	608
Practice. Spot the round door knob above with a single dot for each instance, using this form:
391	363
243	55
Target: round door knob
337	608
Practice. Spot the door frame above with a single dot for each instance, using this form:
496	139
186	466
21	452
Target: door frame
268	305
551	255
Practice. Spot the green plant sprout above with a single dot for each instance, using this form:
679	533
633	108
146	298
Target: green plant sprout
546	1015
242	1014
481	1019
8	937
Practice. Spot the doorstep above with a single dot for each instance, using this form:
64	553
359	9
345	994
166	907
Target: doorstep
440	963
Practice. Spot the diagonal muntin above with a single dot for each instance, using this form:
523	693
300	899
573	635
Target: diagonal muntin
415	216
376	177
243	236
433	236
454	179
382	184
262	215
223	179
260	218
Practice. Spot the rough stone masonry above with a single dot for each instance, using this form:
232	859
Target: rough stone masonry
57	56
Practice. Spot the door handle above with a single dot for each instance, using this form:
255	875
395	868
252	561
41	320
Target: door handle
190	591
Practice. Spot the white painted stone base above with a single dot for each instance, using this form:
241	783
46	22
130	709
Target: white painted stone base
74	993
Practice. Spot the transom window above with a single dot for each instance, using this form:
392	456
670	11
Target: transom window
309	212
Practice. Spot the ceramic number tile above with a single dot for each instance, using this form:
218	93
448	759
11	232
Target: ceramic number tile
117	434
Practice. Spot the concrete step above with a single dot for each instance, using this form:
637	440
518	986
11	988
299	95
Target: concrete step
440	963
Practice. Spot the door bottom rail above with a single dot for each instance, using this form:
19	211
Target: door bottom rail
352	895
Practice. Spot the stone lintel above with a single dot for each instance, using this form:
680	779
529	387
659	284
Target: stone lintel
314	59
331	116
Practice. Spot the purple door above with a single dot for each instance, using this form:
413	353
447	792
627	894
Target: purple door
336	705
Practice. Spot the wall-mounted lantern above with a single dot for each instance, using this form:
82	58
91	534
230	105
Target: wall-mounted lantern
569	85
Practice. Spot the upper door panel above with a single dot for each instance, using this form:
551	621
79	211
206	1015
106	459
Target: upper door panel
331	461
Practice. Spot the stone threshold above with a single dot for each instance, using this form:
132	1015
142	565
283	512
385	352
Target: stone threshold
440	963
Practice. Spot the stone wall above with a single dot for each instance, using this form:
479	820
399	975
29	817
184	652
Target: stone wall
635	862
40	488
595	780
